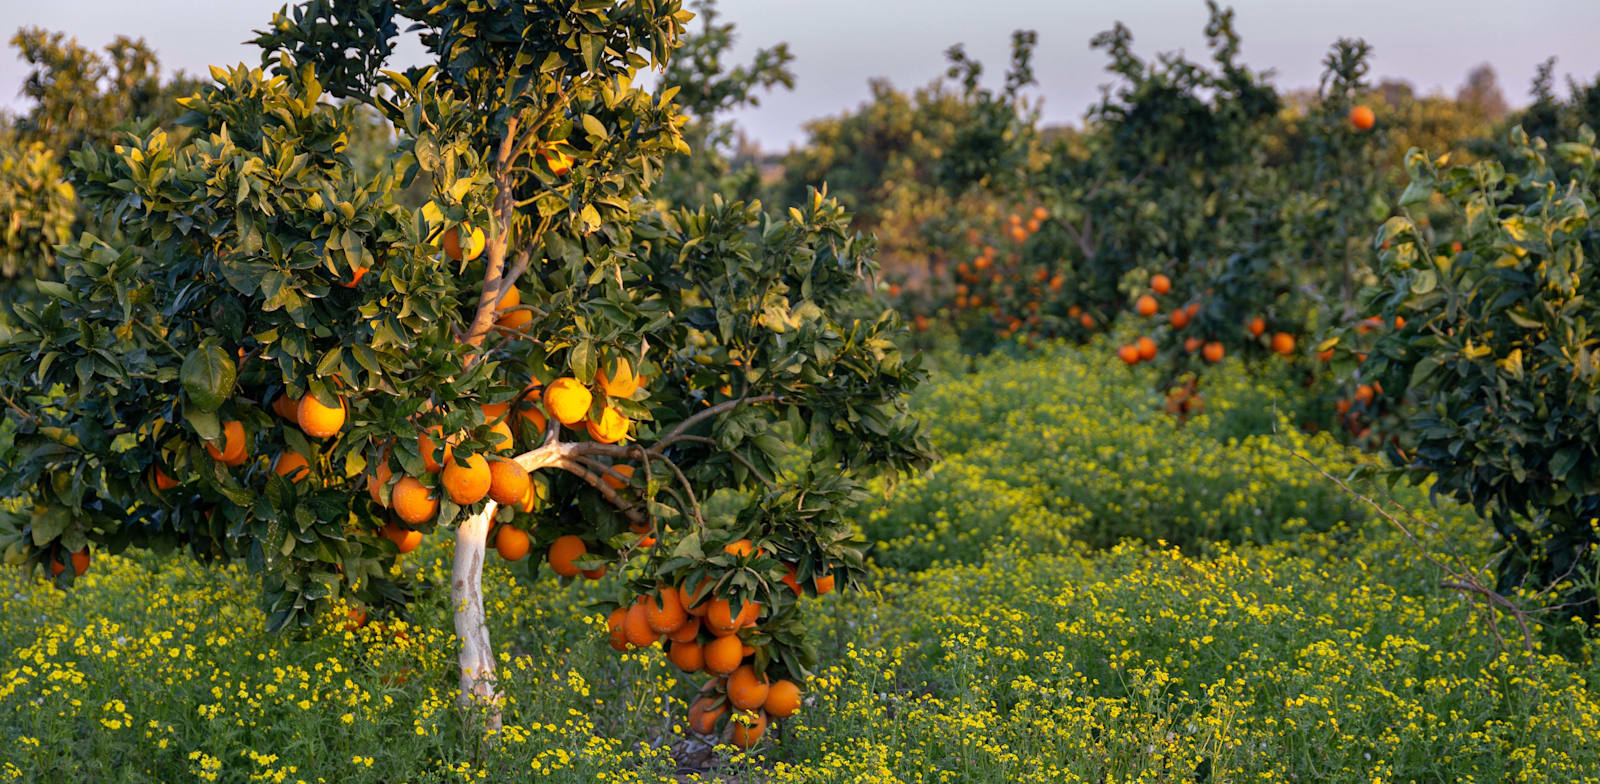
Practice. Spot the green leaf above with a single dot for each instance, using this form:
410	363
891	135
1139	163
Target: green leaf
208	375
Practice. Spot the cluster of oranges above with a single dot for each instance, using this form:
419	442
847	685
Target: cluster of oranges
469	478
705	632
1144	349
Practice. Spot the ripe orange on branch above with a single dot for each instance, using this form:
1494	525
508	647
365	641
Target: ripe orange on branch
783	699
1362	118
234	450
317	420
567	400
624	384
413	501
1160	284
453	248
511	543
610	428
1147	305
747	690
80	564
466	484
508	482
562	552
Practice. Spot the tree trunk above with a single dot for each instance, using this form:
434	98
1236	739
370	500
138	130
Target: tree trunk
479	687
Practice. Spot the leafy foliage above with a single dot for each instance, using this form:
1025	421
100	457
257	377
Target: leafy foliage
1496	364
260	263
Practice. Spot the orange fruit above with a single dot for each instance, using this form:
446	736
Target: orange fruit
1087	321
529	411
234	449
452	244
466	484
823	583
1257	326
637	625
1129	354
1364	394
1325	355
378	478
511	543
355	618
792	579
361	272
413	501
164	482
511	299
687	597
740	548
317	420
288	408
614	480
1147	348
1178	318
1146	305
610	428
562	551
1193	309
1191	344
723	655
1160	283
500	437
1362	118
515	321
783	699
1399	322
705	712
747	690
427	447
530	500
686	656
403	538
689	631
559	162
664	613
80	564
618	635
567	400
292	465
720	620
594	574
1212	352
508	482
748	733
1283	343
623	385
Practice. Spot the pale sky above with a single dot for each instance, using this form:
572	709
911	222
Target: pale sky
839	44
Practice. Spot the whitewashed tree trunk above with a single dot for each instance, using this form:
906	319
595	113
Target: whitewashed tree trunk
479	688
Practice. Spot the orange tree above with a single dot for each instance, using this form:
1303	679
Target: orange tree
1495	370
276	364
707	88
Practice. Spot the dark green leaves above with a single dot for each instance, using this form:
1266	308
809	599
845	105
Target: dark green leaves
208	375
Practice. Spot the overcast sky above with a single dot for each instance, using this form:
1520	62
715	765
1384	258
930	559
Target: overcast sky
839	44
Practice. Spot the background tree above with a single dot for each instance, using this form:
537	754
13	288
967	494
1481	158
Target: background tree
707	89
276	363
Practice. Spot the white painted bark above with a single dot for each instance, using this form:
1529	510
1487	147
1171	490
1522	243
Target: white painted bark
479	687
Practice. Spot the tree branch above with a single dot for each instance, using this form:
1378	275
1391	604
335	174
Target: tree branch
676	434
